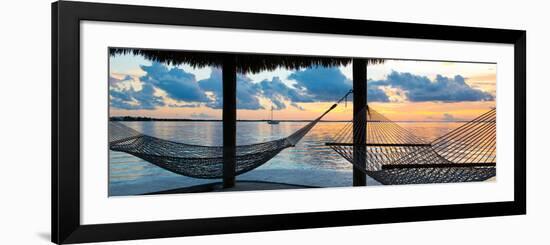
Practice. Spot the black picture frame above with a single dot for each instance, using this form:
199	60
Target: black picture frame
66	18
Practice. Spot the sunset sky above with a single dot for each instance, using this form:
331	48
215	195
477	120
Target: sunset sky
399	89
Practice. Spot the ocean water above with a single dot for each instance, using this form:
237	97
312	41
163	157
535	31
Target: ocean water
310	163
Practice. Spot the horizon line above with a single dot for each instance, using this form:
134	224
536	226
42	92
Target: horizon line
139	119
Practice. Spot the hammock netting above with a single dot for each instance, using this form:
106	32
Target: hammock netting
392	155
198	161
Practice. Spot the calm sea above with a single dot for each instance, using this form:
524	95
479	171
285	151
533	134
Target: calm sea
309	163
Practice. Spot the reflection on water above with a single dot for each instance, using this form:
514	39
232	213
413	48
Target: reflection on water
310	152
429	131
200	133
309	163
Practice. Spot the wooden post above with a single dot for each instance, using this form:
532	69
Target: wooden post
229	115
359	120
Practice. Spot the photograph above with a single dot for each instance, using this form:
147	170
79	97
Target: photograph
297	124
169	121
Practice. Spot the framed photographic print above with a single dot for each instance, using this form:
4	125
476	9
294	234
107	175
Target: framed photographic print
176	122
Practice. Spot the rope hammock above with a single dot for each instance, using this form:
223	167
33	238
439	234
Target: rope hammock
199	161
393	155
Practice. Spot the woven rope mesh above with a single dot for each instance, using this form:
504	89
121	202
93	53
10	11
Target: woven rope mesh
393	155
195	160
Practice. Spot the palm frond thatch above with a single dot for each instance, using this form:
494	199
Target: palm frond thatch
246	63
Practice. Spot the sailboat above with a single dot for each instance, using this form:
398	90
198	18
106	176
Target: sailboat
271	121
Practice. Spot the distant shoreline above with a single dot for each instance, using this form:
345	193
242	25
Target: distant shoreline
149	119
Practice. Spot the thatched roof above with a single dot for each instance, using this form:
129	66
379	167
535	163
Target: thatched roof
246	63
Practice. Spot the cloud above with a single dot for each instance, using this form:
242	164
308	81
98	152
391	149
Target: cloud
114	81
184	105
248	94
449	117
316	84
443	89
247	91
375	94
178	84
174	87
146	92
213	84
321	83
327	84
297	106
127	97
181	86
278	92
201	115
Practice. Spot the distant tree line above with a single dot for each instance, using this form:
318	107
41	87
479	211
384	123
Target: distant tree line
130	118
134	119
